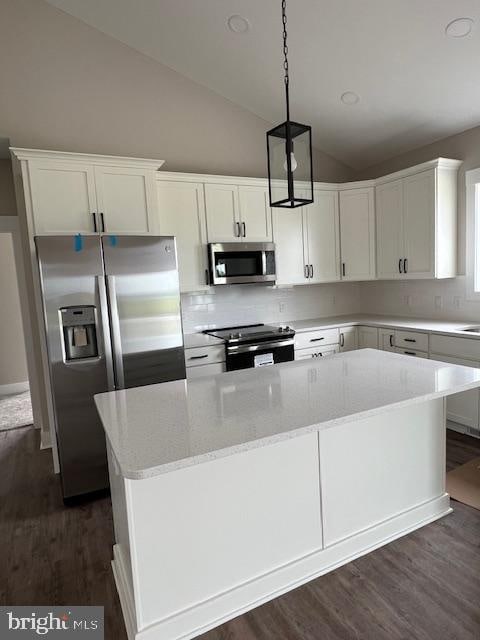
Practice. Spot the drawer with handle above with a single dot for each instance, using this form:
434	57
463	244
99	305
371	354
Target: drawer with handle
412	352
303	354
412	340
319	339
204	355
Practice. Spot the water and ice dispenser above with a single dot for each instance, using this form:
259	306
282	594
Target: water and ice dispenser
79	332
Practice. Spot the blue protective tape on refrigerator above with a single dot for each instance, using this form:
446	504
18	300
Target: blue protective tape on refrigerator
78	242
113	241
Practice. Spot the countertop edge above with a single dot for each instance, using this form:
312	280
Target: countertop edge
152	472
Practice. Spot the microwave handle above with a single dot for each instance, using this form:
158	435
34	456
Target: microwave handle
264	263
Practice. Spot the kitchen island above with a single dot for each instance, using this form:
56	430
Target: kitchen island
230	490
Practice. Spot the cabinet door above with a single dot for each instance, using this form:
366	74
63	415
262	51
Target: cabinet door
367	338
323	236
419	224
348	338
288	235
386	339
462	408
255	213
63	196
357	234
127	199
182	214
223	219
389	215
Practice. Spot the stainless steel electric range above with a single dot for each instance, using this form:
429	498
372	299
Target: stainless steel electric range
255	345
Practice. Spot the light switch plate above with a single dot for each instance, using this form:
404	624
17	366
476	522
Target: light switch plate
438	302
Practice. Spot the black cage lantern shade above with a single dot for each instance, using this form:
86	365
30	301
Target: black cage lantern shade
289	152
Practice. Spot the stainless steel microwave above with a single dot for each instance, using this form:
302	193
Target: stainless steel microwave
241	262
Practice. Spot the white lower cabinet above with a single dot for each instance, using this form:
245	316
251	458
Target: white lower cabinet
348	338
205	370
411	352
463	408
205	361
386	339
367	338
315	352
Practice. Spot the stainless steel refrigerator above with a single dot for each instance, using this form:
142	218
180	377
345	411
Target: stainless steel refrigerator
113	321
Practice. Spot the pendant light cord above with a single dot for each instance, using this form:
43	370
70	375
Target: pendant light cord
285	56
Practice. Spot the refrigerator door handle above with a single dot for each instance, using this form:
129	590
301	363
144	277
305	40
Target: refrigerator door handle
107	346
116	336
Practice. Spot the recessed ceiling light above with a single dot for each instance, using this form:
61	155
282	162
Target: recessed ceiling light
459	28
238	24
350	98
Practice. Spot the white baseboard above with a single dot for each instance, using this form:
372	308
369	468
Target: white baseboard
16	387
192	622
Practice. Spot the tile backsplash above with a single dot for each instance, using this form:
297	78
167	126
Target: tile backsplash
238	305
436	299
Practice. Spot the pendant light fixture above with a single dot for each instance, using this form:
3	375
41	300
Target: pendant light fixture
289	151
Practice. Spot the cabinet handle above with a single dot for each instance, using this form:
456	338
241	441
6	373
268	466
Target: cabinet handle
305	271
102	219
405	265
343	268
409	340
410	353
316	339
342	340
207	278
311	271
198	357
236	226
94	221
400	266
244	229
391	340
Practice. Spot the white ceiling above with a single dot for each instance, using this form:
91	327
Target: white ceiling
415	84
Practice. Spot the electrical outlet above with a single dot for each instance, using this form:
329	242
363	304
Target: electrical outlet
438	302
456	302
408	300
281	307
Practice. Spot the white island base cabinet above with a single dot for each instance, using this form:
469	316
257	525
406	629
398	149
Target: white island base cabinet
202	544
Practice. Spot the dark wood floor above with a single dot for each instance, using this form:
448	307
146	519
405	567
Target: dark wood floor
425	586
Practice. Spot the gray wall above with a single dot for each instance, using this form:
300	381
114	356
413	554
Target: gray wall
67	86
13	364
8	206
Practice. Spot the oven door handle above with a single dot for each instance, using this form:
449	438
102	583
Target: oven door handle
234	349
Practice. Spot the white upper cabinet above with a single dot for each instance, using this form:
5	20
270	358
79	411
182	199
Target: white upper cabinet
323	242
82	193
390	245
307	241
419	225
181	213
357	234
223	218
288	235
255	213
63	197
126	199
238	213
416	213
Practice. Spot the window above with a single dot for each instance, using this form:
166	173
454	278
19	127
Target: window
472	179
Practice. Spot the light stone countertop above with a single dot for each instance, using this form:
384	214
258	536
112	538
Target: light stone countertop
409	324
193	340
159	428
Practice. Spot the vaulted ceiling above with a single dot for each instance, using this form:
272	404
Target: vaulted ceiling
415	84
